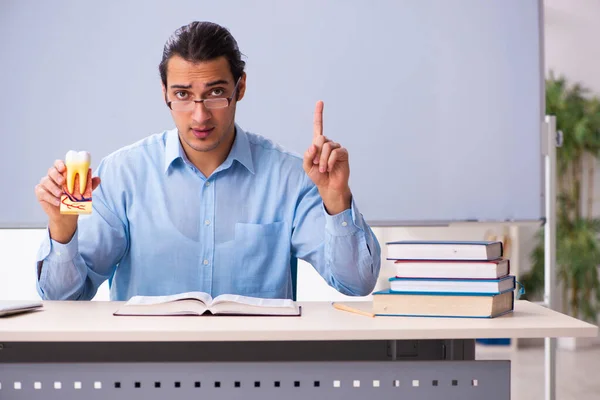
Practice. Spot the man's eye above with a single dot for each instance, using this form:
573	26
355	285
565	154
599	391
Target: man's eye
217	92
181	95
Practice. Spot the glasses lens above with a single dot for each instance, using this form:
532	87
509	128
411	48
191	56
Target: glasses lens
216	103
182	105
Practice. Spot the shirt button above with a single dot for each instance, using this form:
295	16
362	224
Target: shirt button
207	184
207	222
58	253
344	223
205	262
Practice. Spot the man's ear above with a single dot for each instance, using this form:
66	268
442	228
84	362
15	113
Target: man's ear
241	87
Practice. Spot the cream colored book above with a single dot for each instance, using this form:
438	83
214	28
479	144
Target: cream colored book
466	305
201	303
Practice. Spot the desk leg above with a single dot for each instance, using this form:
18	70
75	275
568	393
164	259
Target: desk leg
459	349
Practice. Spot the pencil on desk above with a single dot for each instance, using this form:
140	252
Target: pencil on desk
344	307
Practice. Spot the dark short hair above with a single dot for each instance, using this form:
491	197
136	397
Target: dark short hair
202	41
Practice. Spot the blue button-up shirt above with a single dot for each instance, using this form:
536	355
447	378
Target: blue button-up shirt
160	227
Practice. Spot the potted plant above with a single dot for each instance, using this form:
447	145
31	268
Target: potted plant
577	230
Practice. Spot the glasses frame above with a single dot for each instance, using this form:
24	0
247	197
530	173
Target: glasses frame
229	99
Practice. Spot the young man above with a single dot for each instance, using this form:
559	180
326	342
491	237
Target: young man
207	206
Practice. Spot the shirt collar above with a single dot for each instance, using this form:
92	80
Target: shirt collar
240	150
173	149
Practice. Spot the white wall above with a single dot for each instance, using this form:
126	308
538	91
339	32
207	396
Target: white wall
571	48
572	32
18	249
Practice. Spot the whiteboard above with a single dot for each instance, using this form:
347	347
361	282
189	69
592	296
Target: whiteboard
439	103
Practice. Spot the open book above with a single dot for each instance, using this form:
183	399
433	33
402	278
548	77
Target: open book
198	303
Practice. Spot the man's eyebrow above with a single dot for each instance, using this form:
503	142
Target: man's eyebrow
206	85
217	82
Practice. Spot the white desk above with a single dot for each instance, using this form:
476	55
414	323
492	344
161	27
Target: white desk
325	353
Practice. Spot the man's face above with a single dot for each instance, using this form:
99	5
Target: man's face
203	129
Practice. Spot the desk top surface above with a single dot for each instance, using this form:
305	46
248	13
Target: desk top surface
93	321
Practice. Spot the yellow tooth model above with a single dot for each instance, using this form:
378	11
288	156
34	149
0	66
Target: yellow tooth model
77	190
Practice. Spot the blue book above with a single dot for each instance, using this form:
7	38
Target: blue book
449	285
444	250
439	304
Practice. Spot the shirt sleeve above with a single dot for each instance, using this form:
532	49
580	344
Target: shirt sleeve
75	270
341	247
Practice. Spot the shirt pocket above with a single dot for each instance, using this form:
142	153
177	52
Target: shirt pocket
262	257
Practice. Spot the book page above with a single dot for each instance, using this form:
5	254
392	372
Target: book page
237	304
147	300
253	301
177	307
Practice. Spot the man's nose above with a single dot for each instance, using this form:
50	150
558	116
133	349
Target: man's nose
200	113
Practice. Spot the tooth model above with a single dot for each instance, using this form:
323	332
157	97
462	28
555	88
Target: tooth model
77	190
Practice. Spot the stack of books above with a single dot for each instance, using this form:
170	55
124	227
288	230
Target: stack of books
447	279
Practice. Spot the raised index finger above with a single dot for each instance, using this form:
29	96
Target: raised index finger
318	121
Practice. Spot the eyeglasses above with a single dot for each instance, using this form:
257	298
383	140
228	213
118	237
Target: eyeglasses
189	105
